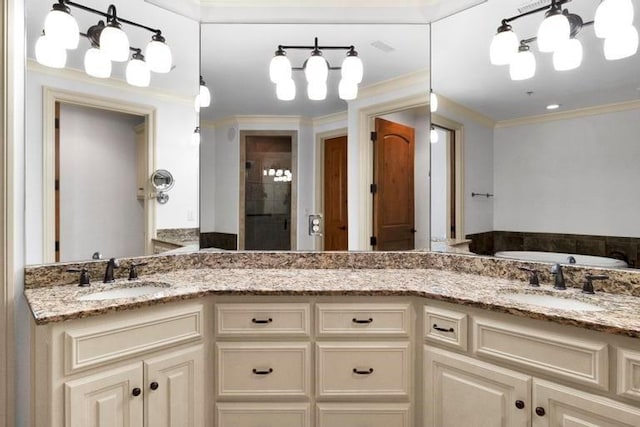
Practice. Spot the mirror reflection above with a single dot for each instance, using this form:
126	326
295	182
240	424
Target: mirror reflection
549	162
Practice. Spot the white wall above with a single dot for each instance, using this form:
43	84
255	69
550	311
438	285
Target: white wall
99	209
577	176
439	186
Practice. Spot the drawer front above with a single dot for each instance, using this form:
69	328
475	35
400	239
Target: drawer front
577	360
628	373
363	414
109	342
363	370
364	319
446	327
262	319
263	370
262	415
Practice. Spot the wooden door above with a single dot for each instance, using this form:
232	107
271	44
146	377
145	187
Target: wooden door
335	194
106	399
175	389
393	192
460	391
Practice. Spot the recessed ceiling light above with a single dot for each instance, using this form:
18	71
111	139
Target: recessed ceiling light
553	106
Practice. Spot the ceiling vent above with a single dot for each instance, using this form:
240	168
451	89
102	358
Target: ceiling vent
382	46
531	5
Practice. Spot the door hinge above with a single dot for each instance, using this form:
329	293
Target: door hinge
57	185
57	247
373	188
374	136
373	240
57	123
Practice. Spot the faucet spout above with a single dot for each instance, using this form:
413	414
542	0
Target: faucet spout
556	270
108	273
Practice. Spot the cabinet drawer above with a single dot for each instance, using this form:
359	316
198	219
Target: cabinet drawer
628	373
262	415
446	327
263	369
363	370
138	334
578	360
364	319
262	319
363	414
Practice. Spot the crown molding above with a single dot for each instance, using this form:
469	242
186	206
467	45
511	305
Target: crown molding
447	104
416	78
112	83
330	118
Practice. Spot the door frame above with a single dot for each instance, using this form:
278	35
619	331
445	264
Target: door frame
321	137
49	98
293	134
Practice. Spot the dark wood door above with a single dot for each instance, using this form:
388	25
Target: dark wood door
335	194
393	198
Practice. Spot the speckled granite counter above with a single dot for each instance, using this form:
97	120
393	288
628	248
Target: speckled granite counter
621	314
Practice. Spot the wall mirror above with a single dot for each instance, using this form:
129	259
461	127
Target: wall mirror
268	165
108	128
562	180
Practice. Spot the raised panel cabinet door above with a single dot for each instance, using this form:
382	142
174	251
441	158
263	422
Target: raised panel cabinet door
174	389
110	399
559	406
460	391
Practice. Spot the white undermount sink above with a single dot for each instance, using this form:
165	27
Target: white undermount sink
551	301
126	291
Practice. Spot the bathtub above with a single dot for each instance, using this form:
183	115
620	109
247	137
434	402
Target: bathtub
562	258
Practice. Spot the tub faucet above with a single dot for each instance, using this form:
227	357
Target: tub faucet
556	270
108	273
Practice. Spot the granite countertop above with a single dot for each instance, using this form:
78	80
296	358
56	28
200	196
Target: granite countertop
620	314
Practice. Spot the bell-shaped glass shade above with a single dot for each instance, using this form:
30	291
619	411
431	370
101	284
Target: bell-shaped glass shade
279	69
523	66
553	31
433	102
115	43
50	54
195	137
317	91
62	28
316	70
503	47
347	89
138	73
621	44
433	136
568	56
352	69
205	96
97	64
612	15
286	90
158	56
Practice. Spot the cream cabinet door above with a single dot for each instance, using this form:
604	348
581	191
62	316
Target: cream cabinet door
460	391
112	398
174	389
559	406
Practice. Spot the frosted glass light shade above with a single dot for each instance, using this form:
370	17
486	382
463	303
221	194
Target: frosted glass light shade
352	69
279	69
553	31
286	90
433	102
114	42
504	46
612	15
317	91
621	44
138	73
568	56
316	70
195	137
433	136
347	89
97	64
49	53
61	27
523	66
196	103
205	95
158	55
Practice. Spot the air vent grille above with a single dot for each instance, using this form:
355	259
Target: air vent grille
529	6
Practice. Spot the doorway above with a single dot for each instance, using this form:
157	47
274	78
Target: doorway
335	210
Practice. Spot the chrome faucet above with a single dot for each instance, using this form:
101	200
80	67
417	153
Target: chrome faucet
556	270
108	273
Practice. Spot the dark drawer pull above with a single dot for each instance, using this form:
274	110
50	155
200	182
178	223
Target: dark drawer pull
261	321
369	320
361	372
262	372
438	328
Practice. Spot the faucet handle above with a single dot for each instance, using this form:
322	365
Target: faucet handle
85	280
133	269
533	276
587	288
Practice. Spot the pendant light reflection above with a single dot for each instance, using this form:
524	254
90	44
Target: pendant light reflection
61	27
621	44
612	15
279	67
504	45
137	72
205	94
158	55
49	53
97	63
286	90
554	30
433	135
523	66
568	56
433	102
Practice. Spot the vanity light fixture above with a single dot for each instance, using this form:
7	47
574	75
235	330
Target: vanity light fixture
316	70
195	137
433	101
108	43
204	97
557	34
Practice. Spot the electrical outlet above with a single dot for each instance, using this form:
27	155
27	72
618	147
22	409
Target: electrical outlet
315	225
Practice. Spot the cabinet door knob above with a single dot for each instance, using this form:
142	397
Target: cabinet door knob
136	392
369	320
363	372
540	411
519	404
154	385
